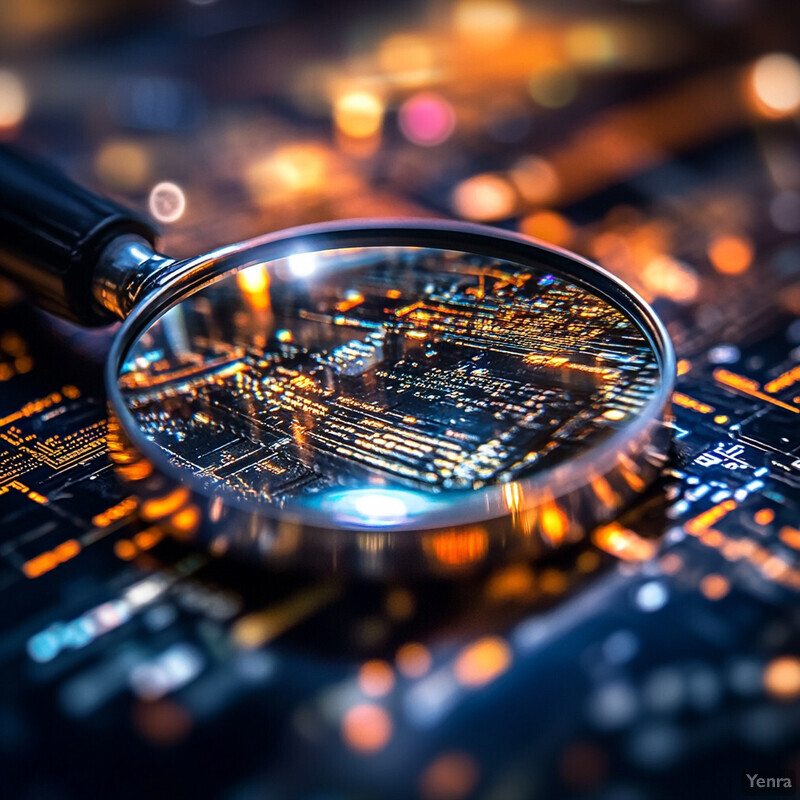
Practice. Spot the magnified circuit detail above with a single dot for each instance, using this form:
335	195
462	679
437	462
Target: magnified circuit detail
426	369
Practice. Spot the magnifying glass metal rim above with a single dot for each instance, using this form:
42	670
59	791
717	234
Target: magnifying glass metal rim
640	437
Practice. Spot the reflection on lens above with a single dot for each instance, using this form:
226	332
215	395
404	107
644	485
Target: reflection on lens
370	384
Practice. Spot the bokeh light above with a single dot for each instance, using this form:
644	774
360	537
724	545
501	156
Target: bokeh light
484	198
554	89
427	119
665	276
775	85
731	255
450	776
358	114
122	164
366	727
482	661
489	20
548	225
13	99
167	202
375	678
413	660
782	678
408	58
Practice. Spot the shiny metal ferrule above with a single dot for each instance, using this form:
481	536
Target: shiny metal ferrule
126	265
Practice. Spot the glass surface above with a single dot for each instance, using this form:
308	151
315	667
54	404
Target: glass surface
374	383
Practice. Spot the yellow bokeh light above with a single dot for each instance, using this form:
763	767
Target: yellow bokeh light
774	85
358	114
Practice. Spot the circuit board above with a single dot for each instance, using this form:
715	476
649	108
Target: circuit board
658	659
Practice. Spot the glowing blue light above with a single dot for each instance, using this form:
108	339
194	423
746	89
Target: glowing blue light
378	507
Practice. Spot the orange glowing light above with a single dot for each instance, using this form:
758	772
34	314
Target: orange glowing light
623	543
668	277
358	114
484	198
136	471
366	728
118	511
488	21
782	678
748	386
159	507
13	100
457	547
535	179
684	366
764	516
450	776
253	280
703	522
516	581
297	168
407	57
149	538
413	660
51	559
185	521
685	401
714	587
790	536
375	678
482	661
554	524
254	283
548	225
125	549
731	255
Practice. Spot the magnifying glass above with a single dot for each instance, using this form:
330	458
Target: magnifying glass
383	397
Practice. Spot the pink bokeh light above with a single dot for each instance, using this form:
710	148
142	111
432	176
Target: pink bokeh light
427	119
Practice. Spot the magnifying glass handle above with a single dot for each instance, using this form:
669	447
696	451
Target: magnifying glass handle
53	233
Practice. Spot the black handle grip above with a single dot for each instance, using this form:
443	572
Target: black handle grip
52	233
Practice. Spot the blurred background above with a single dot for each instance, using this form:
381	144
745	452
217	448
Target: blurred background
658	138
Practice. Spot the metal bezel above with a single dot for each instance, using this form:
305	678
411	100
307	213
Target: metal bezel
641	439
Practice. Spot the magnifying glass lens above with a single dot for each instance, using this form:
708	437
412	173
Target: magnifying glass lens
377	385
